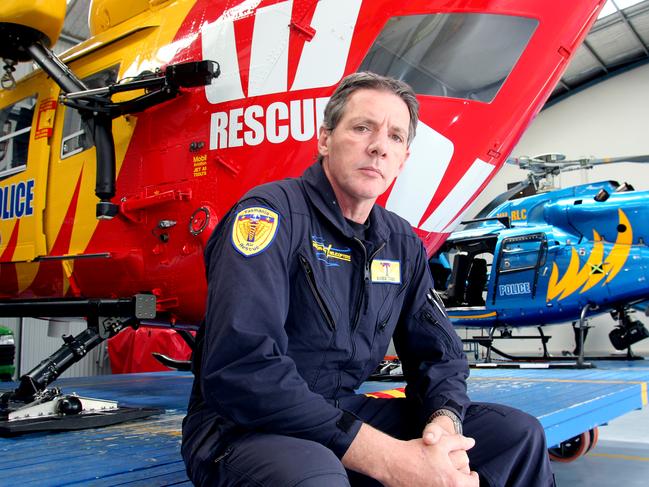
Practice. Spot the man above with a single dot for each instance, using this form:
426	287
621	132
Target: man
308	280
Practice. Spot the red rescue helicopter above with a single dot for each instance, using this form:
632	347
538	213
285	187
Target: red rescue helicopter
118	158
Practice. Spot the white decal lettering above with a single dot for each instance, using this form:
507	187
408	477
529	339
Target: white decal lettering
275	132
218	130
255	135
235	126
276	123
302	119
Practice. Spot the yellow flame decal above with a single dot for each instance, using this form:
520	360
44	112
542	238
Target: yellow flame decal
555	288
596	267
595	262
26	272
620	251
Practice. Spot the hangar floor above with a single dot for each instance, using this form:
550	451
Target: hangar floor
621	456
147	452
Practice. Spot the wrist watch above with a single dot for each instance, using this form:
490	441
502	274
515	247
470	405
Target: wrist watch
457	424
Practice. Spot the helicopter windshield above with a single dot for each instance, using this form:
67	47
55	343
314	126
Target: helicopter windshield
465	56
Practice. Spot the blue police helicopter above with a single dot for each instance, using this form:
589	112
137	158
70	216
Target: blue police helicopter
552	257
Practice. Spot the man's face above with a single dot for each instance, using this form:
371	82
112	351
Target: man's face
368	147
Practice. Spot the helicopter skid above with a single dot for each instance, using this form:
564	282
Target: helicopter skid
544	361
521	363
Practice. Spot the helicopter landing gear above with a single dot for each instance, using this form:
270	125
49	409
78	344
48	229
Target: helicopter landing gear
32	407
580	335
627	332
570	450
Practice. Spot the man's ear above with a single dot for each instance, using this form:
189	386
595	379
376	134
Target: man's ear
323	137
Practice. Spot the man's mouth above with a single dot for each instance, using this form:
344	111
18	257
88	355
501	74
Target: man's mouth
373	170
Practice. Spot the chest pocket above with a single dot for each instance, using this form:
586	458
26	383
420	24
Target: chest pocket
316	290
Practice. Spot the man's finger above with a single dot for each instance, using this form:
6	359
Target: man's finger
471	480
456	442
432	433
460	460
431	437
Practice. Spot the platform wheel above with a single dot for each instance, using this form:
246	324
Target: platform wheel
570	450
593	436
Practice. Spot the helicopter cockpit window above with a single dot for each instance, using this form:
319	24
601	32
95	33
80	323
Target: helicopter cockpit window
15	125
465	56
522	253
75	137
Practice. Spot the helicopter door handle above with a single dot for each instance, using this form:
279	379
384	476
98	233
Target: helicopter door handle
141	202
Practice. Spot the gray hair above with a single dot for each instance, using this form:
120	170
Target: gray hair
366	80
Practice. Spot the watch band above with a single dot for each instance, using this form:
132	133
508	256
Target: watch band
457	424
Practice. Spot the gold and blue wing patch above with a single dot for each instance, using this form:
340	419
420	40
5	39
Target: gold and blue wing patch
254	229
386	271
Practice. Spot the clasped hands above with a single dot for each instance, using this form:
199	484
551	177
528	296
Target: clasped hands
438	459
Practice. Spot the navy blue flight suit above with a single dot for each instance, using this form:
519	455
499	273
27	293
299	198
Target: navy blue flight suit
300	311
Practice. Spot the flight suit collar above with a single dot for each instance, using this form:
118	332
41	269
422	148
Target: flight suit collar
321	194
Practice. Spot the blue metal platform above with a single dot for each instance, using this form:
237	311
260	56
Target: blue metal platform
147	452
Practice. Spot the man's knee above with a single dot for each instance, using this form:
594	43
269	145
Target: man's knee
527	429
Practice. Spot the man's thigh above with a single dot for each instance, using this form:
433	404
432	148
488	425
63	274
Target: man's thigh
275	460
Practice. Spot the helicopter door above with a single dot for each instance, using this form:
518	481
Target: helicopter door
26	123
519	261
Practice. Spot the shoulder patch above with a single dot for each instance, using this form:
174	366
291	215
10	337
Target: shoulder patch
254	230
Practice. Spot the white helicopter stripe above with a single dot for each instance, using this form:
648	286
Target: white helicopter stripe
322	62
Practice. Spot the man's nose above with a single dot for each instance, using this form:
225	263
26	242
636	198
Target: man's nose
379	144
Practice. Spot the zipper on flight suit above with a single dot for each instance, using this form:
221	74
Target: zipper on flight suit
364	293
363	296
310	277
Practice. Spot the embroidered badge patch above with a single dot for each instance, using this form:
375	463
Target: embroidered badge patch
386	271
328	254
254	229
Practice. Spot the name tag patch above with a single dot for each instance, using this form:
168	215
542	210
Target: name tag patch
386	271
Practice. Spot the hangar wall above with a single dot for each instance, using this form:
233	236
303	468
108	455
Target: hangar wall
33	344
606	119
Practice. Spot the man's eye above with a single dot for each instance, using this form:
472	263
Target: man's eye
397	138
361	128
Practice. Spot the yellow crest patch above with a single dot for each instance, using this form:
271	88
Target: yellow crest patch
254	229
386	271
